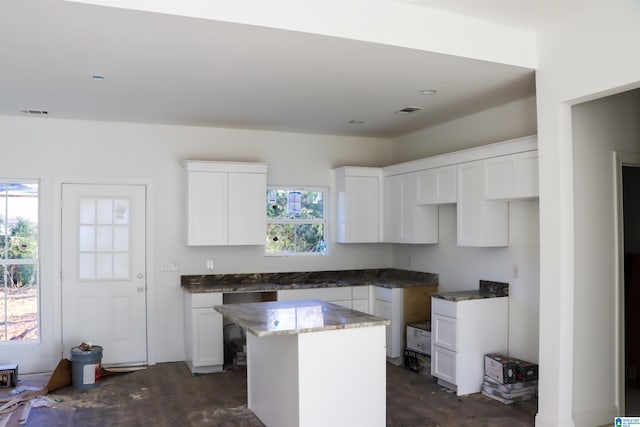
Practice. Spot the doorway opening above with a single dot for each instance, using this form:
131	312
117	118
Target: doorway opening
631	232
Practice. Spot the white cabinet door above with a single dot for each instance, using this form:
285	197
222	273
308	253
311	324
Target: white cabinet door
436	186
405	221
511	177
208	349
358	204
383	310
443	331
226	203
443	364
247	209
207	208
393	209
389	304
361	305
479	222
204	345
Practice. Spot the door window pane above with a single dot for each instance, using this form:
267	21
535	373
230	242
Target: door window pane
103	250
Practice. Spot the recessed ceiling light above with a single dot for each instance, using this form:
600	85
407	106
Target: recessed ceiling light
97	77
428	92
409	110
356	122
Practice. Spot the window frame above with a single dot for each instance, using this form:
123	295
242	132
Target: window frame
36	262
324	221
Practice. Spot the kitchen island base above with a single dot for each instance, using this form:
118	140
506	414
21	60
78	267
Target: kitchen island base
326	378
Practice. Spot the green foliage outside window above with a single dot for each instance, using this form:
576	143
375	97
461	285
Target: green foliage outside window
19	242
19	283
295	221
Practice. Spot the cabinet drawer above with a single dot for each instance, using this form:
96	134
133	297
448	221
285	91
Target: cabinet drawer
360	292
361	305
204	300
443	364
383	294
443	331
343	303
382	309
444	307
324	294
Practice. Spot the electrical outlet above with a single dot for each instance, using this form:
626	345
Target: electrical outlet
409	261
211	264
516	271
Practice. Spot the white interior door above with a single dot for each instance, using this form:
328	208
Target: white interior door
103	270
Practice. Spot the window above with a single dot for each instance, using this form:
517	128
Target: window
296	221
19	277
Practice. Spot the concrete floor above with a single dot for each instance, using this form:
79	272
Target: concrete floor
168	395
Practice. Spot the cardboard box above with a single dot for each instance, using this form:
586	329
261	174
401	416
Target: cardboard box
8	375
419	337
500	368
509	393
525	371
417	362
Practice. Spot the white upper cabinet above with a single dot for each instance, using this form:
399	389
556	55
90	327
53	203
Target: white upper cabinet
514	176
404	220
436	186
480	222
225	203
358	204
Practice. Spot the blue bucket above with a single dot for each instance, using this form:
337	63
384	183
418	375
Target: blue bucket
86	366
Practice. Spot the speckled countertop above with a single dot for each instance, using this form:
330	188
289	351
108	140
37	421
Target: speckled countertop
260	282
487	289
295	317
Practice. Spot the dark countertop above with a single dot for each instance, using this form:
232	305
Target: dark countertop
263	282
487	289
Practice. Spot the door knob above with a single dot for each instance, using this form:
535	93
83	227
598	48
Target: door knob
140	275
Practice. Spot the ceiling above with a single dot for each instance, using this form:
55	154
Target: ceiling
168	69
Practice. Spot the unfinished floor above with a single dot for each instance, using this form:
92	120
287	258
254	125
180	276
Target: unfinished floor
168	395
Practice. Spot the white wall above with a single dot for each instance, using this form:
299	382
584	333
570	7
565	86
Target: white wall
508	121
46	148
599	127
392	22
460	268
585	56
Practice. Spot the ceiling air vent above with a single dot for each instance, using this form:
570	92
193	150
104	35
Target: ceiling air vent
35	112
408	110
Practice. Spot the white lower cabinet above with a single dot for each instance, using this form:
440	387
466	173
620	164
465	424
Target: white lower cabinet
338	295
354	297
204	344
462	332
388	304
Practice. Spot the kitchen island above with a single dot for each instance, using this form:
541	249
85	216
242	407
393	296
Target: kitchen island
313	363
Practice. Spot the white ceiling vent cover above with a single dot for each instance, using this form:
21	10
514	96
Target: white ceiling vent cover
35	112
409	110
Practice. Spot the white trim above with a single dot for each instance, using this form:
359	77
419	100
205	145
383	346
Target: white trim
512	146
215	166
149	253
620	159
